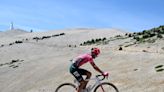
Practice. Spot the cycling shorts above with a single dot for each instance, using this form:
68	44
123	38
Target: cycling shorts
77	72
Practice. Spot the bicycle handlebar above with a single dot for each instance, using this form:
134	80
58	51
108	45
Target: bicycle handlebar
101	79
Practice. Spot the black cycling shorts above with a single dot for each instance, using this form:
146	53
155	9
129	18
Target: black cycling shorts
78	72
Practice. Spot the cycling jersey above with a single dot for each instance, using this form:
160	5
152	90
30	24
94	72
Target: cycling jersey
77	62
82	59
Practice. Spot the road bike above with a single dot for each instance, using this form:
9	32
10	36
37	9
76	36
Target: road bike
98	86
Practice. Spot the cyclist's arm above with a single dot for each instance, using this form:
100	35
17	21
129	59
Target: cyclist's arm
95	67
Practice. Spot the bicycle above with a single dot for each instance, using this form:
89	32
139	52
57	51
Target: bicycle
98	86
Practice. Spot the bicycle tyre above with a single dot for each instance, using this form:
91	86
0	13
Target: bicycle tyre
69	85
109	85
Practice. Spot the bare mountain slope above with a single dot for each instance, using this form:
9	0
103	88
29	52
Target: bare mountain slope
41	65
14	32
11	35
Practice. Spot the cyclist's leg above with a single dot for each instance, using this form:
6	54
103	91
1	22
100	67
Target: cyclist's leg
88	74
81	86
76	73
88	77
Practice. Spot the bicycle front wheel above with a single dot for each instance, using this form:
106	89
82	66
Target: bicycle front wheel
66	87
106	87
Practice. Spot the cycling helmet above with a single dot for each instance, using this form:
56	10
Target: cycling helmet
96	51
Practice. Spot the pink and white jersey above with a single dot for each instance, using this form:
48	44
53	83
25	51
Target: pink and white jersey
82	59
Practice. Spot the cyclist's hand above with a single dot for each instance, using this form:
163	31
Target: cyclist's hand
105	73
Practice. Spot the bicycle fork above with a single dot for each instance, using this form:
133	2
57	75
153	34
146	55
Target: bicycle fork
102	88
98	82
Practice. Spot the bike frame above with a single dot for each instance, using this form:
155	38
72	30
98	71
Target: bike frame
97	82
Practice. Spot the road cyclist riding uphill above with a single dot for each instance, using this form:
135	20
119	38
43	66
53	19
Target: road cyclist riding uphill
78	73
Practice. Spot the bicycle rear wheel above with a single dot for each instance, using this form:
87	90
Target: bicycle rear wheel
66	87
106	87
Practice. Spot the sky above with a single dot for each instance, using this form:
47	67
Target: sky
45	15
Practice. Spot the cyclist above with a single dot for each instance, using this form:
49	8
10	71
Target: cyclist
77	72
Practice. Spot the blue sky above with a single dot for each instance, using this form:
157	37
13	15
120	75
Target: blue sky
43	15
